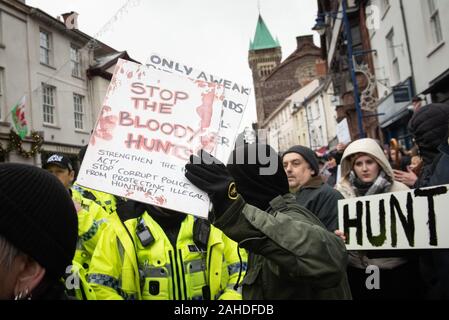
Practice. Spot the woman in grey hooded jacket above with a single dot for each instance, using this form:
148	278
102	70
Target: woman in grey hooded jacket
365	171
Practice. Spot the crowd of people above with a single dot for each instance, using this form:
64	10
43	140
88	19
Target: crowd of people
268	236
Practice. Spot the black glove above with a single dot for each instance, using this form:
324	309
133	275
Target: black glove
210	175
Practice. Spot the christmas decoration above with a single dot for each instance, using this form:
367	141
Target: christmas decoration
15	143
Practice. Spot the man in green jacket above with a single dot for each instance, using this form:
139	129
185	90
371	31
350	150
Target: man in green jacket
291	254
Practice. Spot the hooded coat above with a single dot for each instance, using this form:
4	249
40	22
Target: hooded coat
429	126
291	254
402	260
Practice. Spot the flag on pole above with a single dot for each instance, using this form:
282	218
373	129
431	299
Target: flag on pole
18	118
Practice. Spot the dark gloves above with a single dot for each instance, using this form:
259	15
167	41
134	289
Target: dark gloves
210	175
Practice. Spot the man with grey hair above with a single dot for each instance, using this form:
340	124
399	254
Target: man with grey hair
302	169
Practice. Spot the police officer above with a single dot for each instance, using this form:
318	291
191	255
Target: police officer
150	253
105	200
91	217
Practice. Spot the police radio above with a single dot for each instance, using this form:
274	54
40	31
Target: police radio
144	234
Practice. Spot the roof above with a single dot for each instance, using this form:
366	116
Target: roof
105	62
295	55
263	38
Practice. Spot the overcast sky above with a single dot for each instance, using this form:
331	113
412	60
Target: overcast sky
212	35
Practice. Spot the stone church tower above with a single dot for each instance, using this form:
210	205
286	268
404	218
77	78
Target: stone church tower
275	81
264	55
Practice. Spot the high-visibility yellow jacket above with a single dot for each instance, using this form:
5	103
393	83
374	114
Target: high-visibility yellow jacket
91	222
105	200
123	268
76	283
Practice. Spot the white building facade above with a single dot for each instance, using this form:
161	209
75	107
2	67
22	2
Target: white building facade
307	118
49	64
428	27
410	58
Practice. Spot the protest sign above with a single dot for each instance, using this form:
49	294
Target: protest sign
343	134
150	123
414	219
234	102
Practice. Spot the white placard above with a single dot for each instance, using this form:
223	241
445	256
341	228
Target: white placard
150	123
234	102
415	219
343	133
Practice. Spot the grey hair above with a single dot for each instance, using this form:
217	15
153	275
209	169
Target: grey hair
7	253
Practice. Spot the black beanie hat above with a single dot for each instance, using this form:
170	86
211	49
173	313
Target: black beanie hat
256	185
308	155
37	216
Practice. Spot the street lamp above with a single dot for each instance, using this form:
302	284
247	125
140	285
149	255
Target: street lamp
320	27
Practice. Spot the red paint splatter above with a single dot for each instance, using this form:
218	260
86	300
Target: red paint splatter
160	200
129	193
130	75
105	126
147	195
205	110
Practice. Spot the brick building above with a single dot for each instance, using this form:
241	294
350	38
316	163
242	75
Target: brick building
274	80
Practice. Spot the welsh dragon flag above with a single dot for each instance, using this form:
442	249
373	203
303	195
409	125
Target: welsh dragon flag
18	118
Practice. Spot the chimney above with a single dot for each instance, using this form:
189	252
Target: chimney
70	20
302	40
321	68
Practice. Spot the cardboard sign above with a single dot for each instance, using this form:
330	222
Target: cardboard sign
415	219
343	134
234	102
150	123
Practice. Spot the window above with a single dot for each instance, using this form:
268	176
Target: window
321	136
2	93
391	48
265	69
1	30
303	119
45	47
79	111
314	142
435	23
48	103
75	60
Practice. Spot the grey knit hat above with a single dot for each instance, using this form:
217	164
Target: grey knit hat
307	154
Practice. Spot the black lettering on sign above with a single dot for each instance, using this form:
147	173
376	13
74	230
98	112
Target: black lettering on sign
430	193
353	223
407	223
378	240
231	105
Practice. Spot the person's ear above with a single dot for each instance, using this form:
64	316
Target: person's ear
72	175
30	275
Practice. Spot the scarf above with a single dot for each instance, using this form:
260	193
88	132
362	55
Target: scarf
380	185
